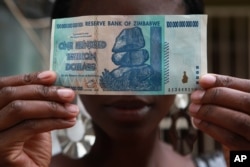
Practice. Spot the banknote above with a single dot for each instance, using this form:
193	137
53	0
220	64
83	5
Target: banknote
129	54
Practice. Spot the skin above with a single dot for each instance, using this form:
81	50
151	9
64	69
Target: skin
39	107
221	110
30	107
228	98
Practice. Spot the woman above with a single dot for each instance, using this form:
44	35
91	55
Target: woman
126	127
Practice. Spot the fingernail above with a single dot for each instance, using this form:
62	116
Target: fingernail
208	78
195	122
194	108
197	95
72	120
192	121
65	93
45	75
72	108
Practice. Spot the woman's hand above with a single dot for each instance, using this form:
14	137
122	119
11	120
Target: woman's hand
222	110
30	107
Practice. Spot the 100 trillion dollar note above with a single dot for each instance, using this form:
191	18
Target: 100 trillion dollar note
135	54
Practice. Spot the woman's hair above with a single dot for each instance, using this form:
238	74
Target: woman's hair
194	6
61	8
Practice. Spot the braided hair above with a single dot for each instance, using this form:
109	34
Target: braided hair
61	7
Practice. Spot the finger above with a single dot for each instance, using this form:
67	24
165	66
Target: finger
225	97
231	140
46	78
235	122
35	92
29	128
211	80
19	111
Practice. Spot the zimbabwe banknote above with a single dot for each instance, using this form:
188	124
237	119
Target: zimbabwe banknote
134	54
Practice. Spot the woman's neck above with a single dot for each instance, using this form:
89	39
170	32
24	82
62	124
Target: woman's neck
132	152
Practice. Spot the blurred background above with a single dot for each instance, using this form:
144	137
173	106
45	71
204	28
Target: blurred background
24	36
229	37
25	45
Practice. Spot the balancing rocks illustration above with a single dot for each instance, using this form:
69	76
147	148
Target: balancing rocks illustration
132	73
